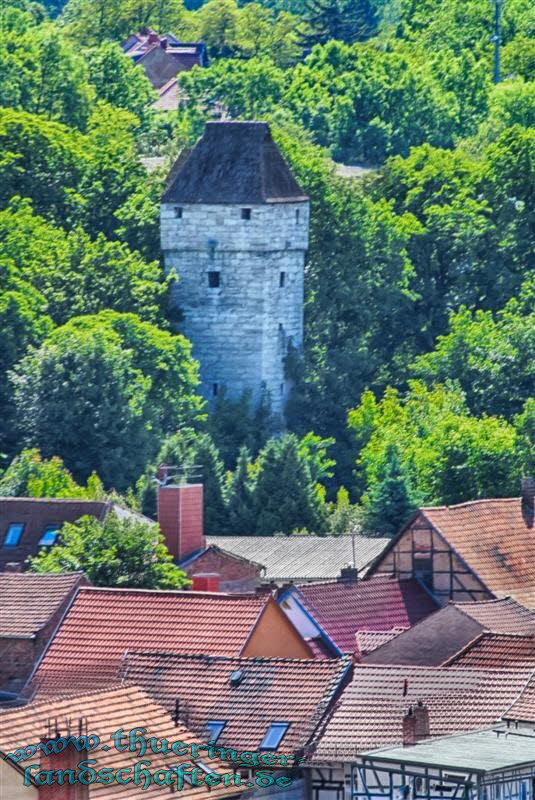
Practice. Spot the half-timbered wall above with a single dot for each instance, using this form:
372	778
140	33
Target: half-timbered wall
421	552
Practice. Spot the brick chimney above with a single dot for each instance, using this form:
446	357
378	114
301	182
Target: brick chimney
415	724
66	759
348	574
205	582
409	728
527	497
180	516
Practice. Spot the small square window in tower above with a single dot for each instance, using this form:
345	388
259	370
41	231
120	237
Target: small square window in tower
282	279
246	213
214	280
178	212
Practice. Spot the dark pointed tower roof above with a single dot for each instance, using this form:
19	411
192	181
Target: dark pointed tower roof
232	162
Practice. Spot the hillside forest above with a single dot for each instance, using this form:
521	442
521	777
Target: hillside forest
416	380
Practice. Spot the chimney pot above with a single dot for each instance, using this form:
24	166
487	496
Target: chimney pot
527	493
205	582
180	516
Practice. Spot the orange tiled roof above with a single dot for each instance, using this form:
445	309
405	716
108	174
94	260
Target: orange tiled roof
29	600
370	711
503	615
104	712
103	623
494	540
495	650
295	691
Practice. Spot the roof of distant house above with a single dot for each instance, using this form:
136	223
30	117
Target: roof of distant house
481	751
37	514
368	641
495	650
103	713
30	600
246	694
168	96
493	538
233	163
103	623
502	615
370	712
303	558
344	607
523	707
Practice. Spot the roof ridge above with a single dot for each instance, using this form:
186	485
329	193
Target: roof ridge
470	503
248	659
181	592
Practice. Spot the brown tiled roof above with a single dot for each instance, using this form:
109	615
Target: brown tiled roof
103	623
367	641
104	712
495	650
493	539
28	600
36	514
370	711
523	708
503	615
381	603
268	690
233	162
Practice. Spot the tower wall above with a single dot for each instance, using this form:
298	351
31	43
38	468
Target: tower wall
240	329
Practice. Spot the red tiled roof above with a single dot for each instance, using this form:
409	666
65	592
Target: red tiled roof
493	539
104	712
503	615
102	623
523	708
36	514
367	641
270	690
370	711
29	600
495	650
381	603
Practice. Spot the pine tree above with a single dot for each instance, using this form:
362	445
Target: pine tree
388	503
345	20
240	506
285	495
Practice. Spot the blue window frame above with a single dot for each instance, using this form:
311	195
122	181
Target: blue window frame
13	534
214	729
49	536
274	735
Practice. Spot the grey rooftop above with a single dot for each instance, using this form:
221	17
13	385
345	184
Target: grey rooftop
232	163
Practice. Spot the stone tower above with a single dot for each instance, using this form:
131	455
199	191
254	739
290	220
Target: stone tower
234	226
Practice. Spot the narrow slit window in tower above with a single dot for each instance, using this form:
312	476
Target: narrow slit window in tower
178	212
282	279
215	389
246	213
214	280
297	215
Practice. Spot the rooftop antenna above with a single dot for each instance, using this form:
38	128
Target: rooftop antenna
171	475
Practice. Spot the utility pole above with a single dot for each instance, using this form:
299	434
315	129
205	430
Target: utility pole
496	39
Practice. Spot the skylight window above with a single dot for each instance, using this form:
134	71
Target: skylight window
274	735
214	728
13	534
50	534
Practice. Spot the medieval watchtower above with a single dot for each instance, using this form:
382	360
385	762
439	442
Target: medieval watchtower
234	226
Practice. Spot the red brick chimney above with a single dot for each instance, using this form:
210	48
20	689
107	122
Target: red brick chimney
66	759
415	724
205	582
409	728
180	516
527	500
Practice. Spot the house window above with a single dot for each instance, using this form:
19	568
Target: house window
274	735
422	567
246	213
214	280
215	389
214	728
282	279
178	212
50	534
14	532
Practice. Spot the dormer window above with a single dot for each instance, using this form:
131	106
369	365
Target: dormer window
274	735
13	534
178	212
49	536
246	213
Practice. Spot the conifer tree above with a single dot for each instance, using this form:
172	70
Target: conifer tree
240	507
345	20
388	503
285	495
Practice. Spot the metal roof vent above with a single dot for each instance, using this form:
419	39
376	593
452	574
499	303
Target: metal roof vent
236	677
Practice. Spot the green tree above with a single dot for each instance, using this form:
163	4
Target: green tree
346	20
119	82
119	552
285	496
388	503
29	475
234	423
241	500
